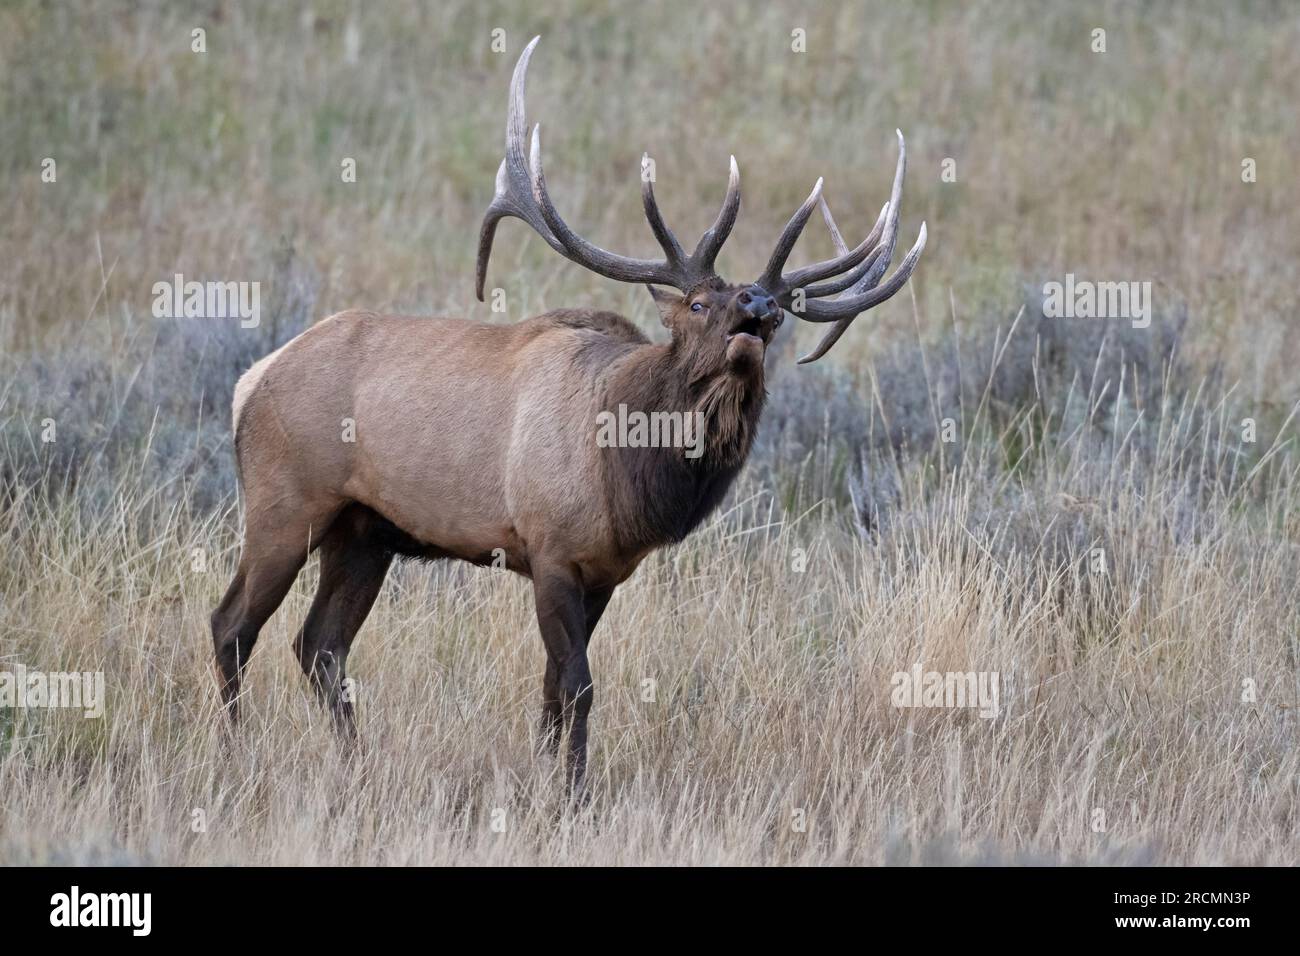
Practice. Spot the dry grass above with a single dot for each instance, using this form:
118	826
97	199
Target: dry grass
1121	692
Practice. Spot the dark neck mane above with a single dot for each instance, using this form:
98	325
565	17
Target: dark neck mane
657	496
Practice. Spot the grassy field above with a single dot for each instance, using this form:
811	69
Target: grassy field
1106	532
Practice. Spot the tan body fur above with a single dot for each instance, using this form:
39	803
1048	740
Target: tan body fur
463	457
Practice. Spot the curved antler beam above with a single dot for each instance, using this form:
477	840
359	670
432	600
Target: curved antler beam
521	192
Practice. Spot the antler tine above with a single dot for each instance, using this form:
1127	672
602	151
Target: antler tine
851	305
891	227
868	273
862	278
706	250
857	260
837	240
578	249
771	277
843	311
864	289
667	241
514	191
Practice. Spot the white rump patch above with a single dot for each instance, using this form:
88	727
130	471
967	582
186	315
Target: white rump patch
248	381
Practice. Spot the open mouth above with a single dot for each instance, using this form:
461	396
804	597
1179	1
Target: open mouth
750	326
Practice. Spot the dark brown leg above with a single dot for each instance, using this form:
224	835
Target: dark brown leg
561	615
353	567
277	541
552	719
594	603
260	584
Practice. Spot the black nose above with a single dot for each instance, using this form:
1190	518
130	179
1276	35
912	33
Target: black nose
756	302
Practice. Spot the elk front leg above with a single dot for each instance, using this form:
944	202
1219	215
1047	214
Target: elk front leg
562	617
552	717
593	605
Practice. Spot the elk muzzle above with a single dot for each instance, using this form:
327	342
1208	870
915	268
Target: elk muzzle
755	317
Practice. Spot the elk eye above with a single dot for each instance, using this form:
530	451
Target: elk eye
697	306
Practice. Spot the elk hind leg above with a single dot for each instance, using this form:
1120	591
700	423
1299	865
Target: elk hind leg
268	564
353	566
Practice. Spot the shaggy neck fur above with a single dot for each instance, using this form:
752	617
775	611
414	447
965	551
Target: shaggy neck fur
657	495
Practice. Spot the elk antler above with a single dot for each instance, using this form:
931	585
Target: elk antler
866	263
521	192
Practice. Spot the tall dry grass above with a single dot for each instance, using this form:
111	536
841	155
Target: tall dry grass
1148	709
770	644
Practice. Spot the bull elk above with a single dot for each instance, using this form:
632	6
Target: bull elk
475	440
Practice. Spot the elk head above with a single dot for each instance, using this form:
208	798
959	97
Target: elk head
718	328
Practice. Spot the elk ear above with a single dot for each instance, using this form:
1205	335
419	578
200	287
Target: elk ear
667	302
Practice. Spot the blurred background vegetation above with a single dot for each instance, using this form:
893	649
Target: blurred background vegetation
1119	165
